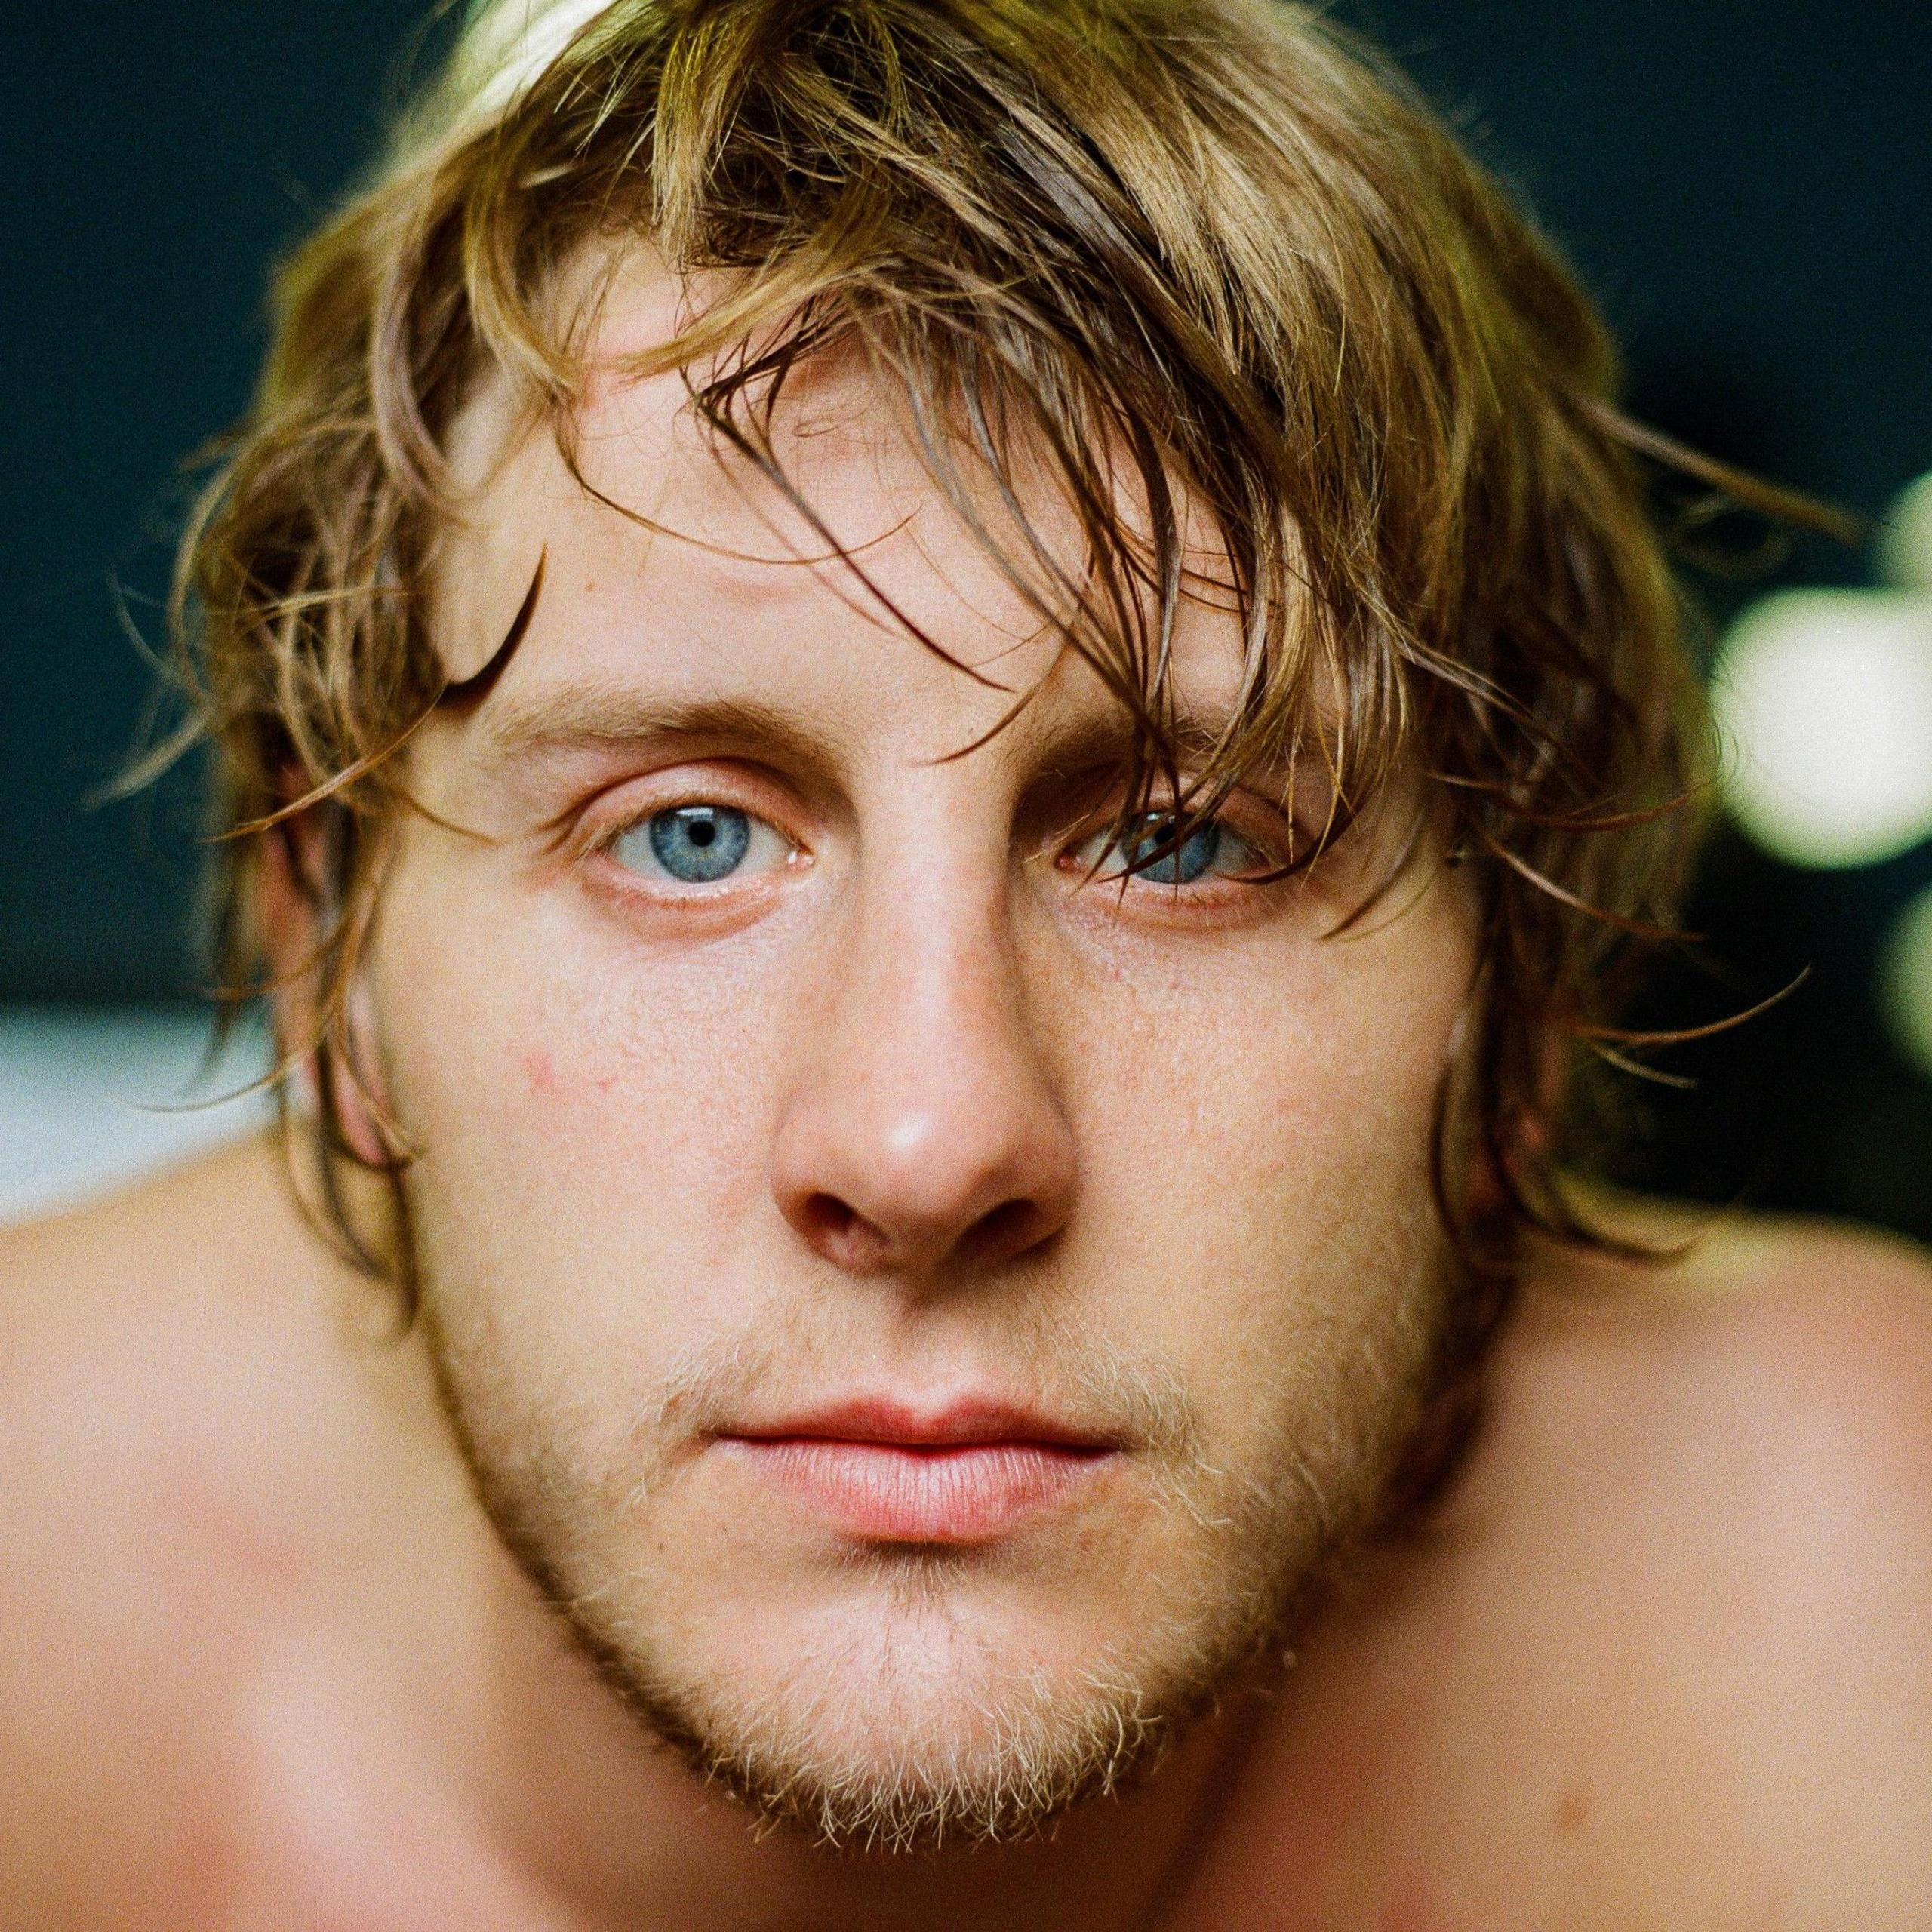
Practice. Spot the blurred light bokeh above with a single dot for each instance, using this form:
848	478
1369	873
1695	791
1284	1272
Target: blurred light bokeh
1824	699
1905	541
1904	982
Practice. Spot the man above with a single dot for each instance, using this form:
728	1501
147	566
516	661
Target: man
941	719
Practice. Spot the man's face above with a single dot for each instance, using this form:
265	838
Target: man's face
919	1310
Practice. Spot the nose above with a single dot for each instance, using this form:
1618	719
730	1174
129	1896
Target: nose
925	1131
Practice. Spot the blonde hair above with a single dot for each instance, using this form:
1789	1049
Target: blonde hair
1208	246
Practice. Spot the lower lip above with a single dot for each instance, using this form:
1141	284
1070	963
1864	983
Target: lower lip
885	1492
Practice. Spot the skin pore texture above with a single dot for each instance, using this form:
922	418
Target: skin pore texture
909	1109
906	1127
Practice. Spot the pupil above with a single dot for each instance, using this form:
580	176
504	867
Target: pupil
699	844
1180	864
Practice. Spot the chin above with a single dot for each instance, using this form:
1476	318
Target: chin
895	1698
891	1671
906	1708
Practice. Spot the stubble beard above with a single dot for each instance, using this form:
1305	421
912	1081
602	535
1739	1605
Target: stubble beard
1000	1752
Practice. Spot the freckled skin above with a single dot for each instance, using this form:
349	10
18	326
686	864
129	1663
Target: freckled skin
909	1108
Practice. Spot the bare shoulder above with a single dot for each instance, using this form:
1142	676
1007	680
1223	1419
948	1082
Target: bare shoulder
1769	1349
159	1303
1716	1479
179	1444
200	1227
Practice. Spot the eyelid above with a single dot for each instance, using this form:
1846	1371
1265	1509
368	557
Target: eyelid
638	797
648	867
1269	844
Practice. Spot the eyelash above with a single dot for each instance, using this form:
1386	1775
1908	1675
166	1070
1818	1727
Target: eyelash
1210	890
597	841
1214	895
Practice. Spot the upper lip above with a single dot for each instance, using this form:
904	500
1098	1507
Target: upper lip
954	1424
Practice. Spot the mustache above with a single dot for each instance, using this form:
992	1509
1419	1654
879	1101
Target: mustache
1084	1382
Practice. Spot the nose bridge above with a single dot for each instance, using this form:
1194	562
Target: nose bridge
930	1036
926	1122
935	961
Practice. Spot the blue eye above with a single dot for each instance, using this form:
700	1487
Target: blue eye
1191	859
699	844
1194	857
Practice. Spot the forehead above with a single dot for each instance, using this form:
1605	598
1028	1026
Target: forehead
672	565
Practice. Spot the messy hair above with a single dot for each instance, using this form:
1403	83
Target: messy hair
1200	255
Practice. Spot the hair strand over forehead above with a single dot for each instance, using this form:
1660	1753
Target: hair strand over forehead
1184	256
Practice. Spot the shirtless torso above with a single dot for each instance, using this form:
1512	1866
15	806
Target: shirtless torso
1666	1662
946	714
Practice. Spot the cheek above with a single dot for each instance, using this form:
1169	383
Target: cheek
1262	1148
598	1119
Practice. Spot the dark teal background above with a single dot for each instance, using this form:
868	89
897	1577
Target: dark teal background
1745	186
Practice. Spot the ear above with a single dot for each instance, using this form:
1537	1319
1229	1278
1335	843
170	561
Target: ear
304	865
1530	1136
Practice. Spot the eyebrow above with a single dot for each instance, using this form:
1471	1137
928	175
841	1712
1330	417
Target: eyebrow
1106	740
592	715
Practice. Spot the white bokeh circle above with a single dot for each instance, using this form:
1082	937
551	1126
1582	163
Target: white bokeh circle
1905	544
1904	982
1823	700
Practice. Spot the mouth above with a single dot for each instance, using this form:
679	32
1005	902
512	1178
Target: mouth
880	1471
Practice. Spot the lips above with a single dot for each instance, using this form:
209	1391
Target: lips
881	1471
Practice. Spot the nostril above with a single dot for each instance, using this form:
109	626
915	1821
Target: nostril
1009	1229
841	1234
826	1219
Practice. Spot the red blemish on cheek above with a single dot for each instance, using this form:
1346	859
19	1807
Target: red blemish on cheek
539	1070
